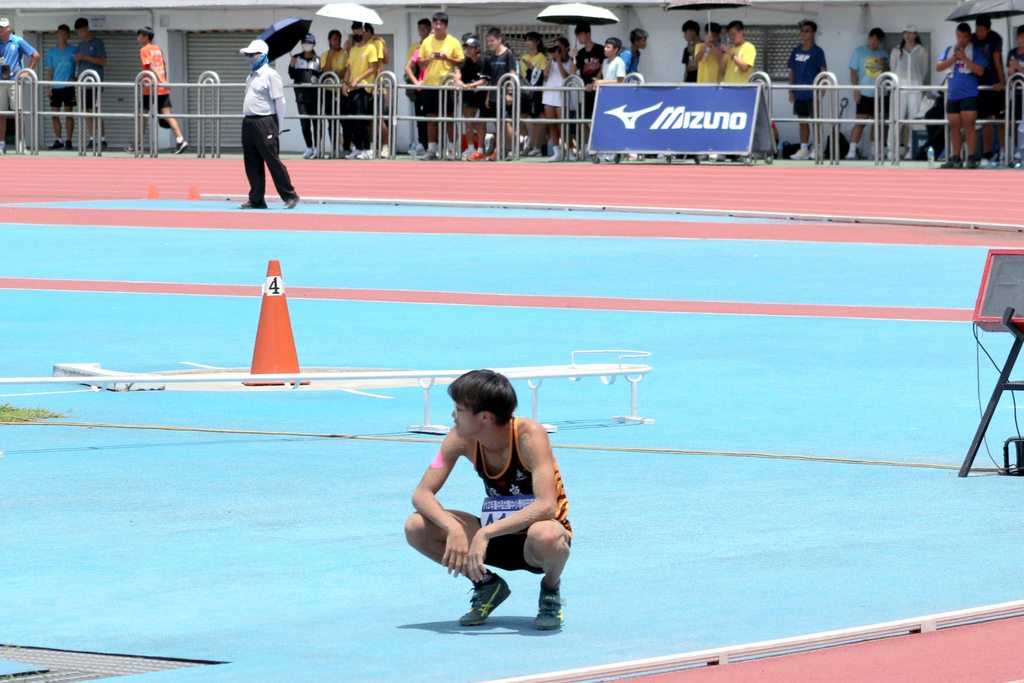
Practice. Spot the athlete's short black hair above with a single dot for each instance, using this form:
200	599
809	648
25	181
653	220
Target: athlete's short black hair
691	25
637	34
333	32
614	42
736	24
877	33
423	22
983	20
487	390
495	32
440	16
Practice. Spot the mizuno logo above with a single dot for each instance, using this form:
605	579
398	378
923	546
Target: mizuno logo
674	118
629	118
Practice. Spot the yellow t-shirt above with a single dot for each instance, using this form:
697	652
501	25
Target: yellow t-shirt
360	60
337	64
439	68
532	65
748	53
707	70
412	51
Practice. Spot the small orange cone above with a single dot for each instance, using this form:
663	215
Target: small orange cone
153	194
193	193
275	345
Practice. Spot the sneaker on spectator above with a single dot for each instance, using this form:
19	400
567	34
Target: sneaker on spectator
103	145
364	155
987	163
57	144
534	152
972	162
493	157
130	148
3	147
431	155
384	152
852	154
557	156
183	145
353	154
801	154
310	153
909	156
573	156
67	145
952	162
479	156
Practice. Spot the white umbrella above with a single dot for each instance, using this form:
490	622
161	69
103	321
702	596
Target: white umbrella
575	13
350	11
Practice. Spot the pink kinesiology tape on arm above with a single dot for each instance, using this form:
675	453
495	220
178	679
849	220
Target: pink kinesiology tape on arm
438	460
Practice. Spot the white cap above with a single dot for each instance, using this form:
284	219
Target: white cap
4	22
254	47
910	28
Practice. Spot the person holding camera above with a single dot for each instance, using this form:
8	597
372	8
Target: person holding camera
961	97
558	68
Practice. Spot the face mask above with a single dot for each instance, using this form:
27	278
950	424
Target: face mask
307	47
257	60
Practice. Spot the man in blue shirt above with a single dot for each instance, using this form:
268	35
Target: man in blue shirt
867	63
631	56
961	97
806	61
988	51
92	54
12	49
60	66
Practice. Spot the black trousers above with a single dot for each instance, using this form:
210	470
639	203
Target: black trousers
360	103
260	146
307	107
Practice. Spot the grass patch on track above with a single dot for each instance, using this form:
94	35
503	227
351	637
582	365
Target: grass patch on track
13	413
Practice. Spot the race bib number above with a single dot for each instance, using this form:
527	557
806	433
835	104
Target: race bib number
497	508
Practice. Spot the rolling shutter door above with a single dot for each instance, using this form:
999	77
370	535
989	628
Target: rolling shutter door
218	52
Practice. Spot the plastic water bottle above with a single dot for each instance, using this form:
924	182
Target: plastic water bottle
931	157
780	150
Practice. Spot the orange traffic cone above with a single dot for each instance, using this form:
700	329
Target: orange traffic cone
275	345
153	194
193	193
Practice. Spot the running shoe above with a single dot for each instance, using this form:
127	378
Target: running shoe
972	162
57	144
67	144
431	155
493	157
549	612
363	155
3	147
183	145
103	145
952	162
485	598
801	154
478	156
310	153
534	152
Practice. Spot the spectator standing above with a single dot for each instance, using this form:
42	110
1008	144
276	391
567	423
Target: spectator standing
737	61
502	61
708	55
334	60
358	82
382	61
909	61
614	69
423	27
153	60
631	55
806	61
304	69
988	51
439	54
531	69
12	49
961	97
263	111
468	76
60	66
867	63
588	60
559	68
1015	64
691	34
91	55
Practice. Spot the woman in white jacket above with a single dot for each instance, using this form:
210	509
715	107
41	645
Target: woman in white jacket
909	61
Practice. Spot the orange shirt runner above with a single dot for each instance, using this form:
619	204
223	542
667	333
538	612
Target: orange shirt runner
153	60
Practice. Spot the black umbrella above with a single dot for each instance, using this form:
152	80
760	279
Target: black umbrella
993	8
284	35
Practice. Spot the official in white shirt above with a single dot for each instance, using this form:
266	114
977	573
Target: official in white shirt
263	109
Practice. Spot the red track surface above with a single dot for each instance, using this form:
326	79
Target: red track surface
980	653
988	197
634	226
514	300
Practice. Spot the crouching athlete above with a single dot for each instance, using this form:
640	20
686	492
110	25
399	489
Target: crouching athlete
523	523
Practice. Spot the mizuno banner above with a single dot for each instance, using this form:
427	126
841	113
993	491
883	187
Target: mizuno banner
680	119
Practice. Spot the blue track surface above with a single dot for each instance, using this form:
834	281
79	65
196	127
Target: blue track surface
285	557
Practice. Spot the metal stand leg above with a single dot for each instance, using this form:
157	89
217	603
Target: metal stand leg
1002	385
632	418
426	427
550	429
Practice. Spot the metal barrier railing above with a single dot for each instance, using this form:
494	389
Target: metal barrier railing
451	122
